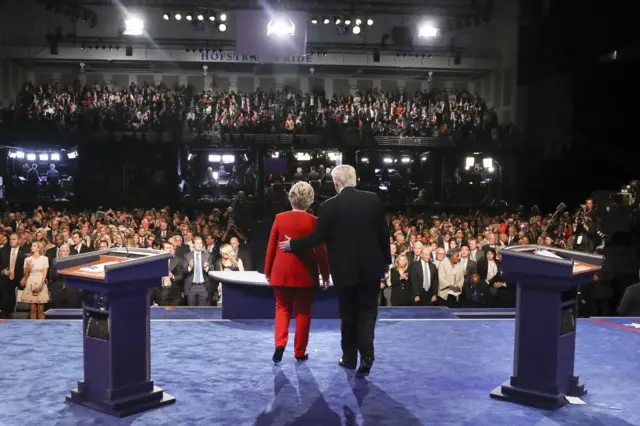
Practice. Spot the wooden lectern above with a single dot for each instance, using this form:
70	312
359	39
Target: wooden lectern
546	312
115	293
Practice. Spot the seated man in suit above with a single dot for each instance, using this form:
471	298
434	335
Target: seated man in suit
475	293
423	278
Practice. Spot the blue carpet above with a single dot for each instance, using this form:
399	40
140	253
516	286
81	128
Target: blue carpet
216	313
426	373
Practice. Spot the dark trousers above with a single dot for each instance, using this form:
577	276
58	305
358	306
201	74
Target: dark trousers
7	297
198	295
358	314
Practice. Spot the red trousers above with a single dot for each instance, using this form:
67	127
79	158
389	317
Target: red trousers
300	301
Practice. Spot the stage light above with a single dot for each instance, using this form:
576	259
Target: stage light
133	26
216	175
387	160
406	160
337	21
212	18
369	22
223	17
347	21
165	16
364	160
423	158
487	163
222	27
12	154
325	20
303	156
490	169
427	30
178	16
358	21
356	30
215	158
188	17
43	157
31	157
314	20
229	159
55	157
335	156
280	27
275	154
200	17
469	162
72	155
20	155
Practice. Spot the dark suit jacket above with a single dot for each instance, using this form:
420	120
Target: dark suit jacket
5	262
472	267
189	272
245	256
416	279
83	249
179	269
353	224
630	304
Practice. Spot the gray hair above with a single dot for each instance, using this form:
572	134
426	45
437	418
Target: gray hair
301	196
344	176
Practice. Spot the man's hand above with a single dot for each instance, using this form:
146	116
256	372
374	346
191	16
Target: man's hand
434	299
416	299
325	284
171	275
498	285
286	244
190	263
206	264
5	271
382	286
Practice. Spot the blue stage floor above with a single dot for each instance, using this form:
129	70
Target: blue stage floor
427	372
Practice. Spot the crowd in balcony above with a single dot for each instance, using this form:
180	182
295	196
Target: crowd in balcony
159	108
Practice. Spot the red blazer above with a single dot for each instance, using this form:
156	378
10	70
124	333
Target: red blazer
290	269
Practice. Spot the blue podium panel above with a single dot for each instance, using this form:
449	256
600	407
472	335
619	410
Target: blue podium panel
546	313
248	295
115	311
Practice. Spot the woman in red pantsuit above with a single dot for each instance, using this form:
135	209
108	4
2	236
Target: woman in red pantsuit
295	277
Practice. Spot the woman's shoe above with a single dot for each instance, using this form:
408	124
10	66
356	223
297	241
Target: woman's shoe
303	357
277	355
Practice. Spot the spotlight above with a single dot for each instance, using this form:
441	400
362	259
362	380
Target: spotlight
20	155
427	30
55	157
212	18
429	55
228	159
72	155
405	160
43	157
387	160
222	27
356	30
364	160
314	20
347	21
325	20
337	21
469	162
82	47
189	17
12	154
215	158
178	16
133	26
369	22
223	17
281	26
165	16
487	163
200	17
31	157
358	21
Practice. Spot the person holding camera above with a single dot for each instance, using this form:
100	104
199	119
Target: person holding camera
585	228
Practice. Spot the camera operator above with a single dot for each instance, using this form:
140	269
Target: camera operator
585	228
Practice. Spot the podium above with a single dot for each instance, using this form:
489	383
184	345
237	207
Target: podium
115	311
545	335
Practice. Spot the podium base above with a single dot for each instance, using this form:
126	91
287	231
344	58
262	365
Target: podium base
531	398
126	406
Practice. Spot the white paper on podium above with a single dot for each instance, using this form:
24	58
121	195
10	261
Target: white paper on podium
98	267
547	253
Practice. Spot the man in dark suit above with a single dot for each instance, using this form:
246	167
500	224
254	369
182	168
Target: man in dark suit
181	248
53	252
78	244
630	304
313	174
163	233
468	266
241	253
424	286
197	283
170	293
11	272
357	264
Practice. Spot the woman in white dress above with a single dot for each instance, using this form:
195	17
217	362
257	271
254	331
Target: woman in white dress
34	281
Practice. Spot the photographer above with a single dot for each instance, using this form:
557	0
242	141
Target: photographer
585	228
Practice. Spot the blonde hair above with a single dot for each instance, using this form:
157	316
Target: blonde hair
41	247
301	196
406	262
344	176
228	250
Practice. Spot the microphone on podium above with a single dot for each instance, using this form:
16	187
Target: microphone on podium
561	207
103	215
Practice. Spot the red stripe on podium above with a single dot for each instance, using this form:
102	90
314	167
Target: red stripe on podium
624	327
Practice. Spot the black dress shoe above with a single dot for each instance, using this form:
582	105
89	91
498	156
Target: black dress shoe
303	357
346	364
365	367
277	355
